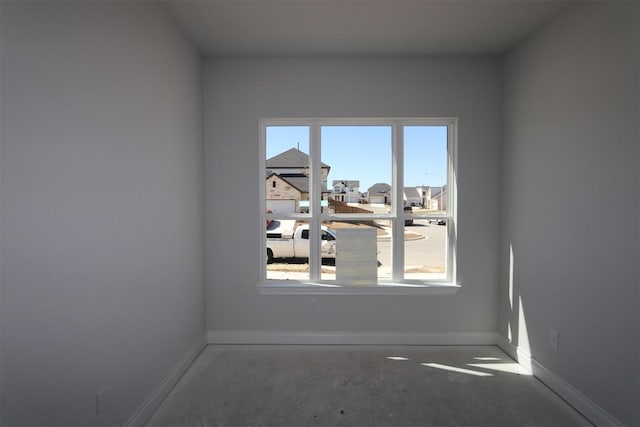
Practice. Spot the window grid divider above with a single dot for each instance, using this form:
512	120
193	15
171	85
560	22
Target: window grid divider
262	138
397	223
315	196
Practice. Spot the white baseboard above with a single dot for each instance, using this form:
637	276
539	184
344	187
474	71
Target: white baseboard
144	412
348	338
579	401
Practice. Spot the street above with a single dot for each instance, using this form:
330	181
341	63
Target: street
425	255
429	250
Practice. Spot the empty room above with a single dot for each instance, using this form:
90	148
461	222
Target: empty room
319	212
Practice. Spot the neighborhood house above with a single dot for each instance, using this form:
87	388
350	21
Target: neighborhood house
287	188
287	182
346	191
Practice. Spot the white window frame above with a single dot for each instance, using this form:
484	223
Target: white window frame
398	285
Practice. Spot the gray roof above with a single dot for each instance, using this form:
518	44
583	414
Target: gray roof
301	182
346	182
292	158
297	180
435	191
379	187
411	192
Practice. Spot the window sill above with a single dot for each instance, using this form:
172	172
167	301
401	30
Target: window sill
272	287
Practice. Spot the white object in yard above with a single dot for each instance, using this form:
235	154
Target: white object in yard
356	259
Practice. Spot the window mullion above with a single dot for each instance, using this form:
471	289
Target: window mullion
263	204
452	202
315	196
397	226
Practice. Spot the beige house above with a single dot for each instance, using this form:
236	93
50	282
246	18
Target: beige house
379	193
284	192
287	182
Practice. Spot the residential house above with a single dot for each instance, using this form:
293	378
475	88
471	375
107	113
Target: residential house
294	161
287	182
347	191
438	199
412	196
425	194
379	193
285	192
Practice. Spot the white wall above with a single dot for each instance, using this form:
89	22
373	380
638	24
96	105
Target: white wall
102	208
570	197
239	91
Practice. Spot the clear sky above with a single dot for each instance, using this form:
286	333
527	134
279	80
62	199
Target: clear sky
364	152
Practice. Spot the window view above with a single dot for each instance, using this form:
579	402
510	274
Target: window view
357	203
287	249
425	196
287	169
364	248
359	158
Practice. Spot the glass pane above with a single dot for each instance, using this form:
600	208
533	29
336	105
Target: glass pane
425	249
362	252
287	169
425	169
287	249
357	160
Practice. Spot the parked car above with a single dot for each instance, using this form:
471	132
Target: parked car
409	210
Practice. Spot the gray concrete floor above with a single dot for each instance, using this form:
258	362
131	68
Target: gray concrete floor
268	385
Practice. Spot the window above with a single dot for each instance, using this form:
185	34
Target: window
398	229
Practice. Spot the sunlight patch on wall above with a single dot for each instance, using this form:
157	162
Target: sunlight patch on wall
517	331
509	333
523	337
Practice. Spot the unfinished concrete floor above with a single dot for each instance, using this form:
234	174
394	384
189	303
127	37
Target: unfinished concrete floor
269	385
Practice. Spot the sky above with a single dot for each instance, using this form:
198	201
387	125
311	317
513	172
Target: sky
364	152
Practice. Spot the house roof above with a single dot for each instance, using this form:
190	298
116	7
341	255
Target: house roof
380	187
411	192
298	181
435	191
292	158
346	183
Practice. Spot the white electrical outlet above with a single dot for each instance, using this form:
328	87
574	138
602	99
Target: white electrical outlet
101	395
554	339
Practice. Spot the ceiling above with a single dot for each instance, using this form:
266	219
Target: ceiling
359	27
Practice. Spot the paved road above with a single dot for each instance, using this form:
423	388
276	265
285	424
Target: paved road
428	251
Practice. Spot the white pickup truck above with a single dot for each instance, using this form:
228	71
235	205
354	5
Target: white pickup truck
285	240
